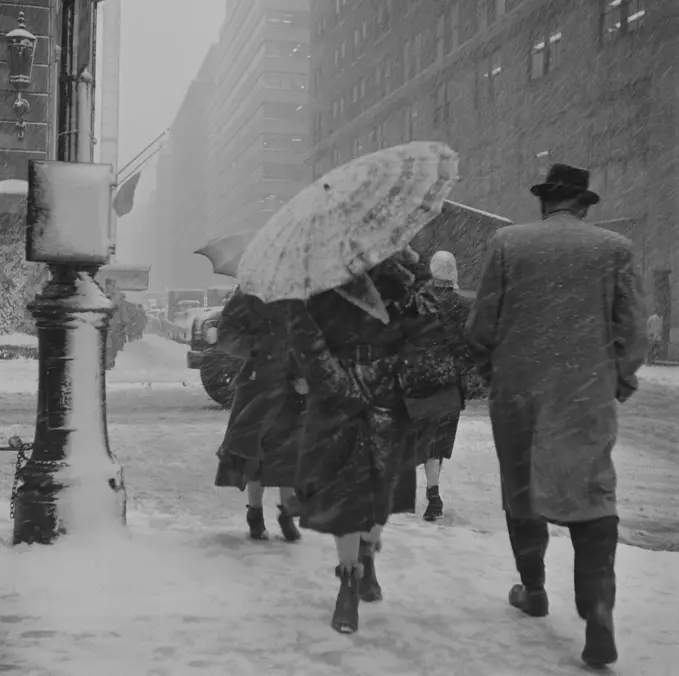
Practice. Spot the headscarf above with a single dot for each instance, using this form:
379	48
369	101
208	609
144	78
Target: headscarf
443	267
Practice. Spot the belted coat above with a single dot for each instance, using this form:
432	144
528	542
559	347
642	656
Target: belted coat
264	427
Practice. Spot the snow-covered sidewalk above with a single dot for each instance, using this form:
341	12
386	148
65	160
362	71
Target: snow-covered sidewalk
189	595
181	598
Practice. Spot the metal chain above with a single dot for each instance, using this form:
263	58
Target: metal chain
22	459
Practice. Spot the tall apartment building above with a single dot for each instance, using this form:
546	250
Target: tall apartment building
179	207
259	120
505	82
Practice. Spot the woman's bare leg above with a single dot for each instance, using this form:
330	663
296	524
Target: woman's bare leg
432	470
347	550
255	494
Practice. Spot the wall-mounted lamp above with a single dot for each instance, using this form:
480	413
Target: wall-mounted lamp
21	45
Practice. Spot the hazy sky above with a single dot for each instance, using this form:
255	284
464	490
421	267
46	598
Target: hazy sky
164	43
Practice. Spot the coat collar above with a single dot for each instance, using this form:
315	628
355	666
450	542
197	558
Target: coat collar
561	213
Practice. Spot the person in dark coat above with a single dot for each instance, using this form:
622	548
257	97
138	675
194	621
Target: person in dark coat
353	453
434	436
260	444
558	332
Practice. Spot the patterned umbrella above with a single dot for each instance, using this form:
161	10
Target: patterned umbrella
347	222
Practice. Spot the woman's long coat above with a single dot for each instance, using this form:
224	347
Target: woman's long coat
353	453
440	300
264	427
558	330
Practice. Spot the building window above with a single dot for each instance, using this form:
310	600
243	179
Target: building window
335	156
381	135
317	128
294	142
442	104
336	58
354	93
275	171
387	76
288	19
495	9
364	31
343	50
384	9
545	54
356	148
318	76
283	111
440	37
620	17
271	203
335	109
357	38
341	105
410	121
318	168
417	54
291	81
362	87
287	49
454	26
490	70
406	61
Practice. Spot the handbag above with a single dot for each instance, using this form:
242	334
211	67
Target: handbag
437	406
430	380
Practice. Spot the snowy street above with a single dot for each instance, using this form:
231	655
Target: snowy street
189	594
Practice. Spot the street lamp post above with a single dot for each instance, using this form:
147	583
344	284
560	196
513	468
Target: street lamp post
72	482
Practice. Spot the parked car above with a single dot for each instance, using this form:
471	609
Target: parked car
217	369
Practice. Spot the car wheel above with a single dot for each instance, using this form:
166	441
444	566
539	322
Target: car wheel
217	378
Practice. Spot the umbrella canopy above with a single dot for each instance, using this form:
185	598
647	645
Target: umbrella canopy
464	231
225	252
347	222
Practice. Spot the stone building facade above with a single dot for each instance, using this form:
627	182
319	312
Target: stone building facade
259	118
506	82
18	279
179	214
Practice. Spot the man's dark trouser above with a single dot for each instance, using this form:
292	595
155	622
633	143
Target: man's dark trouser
594	544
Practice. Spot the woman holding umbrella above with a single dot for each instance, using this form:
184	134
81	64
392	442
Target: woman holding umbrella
260	444
340	248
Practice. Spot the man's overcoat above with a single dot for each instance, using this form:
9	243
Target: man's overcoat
558	330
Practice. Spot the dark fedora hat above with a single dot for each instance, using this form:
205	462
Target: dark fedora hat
566	182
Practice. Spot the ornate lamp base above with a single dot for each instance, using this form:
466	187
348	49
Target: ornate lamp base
72	482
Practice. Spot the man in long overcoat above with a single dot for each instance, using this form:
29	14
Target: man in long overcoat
262	437
558	332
